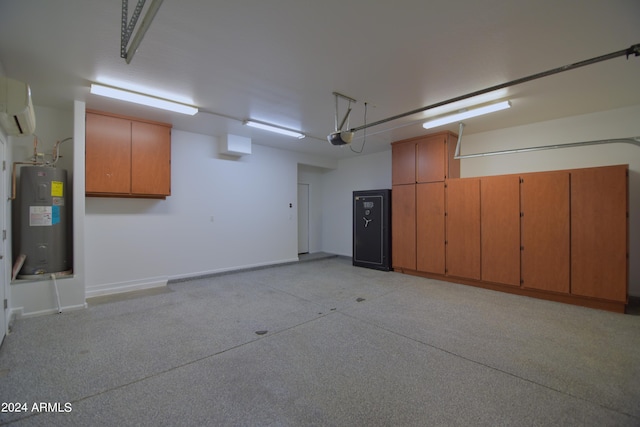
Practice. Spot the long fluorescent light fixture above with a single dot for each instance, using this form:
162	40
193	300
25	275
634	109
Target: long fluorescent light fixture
276	129
138	98
451	118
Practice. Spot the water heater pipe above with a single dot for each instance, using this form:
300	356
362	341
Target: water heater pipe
55	157
55	285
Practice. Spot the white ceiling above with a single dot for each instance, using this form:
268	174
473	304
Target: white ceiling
279	61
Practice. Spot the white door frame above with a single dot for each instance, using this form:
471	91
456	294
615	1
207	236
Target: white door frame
303	218
4	253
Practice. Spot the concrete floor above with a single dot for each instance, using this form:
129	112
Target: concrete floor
323	343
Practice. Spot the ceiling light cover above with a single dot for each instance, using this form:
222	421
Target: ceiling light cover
474	112
138	98
276	129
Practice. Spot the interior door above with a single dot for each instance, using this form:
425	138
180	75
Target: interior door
303	218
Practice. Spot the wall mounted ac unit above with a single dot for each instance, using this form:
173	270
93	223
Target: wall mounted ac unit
17	117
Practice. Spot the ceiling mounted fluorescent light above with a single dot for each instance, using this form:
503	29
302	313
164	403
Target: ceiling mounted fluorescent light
138	98
464	104
276	129
451	118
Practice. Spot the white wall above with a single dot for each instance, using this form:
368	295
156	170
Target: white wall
224	213
364	172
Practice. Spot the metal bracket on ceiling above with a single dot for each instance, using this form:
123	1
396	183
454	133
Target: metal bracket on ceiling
631	140
339	136
633	50
456	155
348	113
127	26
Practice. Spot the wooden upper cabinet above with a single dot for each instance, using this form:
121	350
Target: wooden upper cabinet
599	243
150	159
435	158
403	163
463	228
427	158
500	229
545	231
108	154
126	157
431	159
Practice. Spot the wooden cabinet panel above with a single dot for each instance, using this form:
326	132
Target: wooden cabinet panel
125	157
430	226
431	159
403	226
108	154
545	231
150	159
599	233
403	162
452	168
463	228
427	158
554	235
500	229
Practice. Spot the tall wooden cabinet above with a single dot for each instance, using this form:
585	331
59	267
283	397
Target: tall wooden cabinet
500	229
463	228
126	157
403	226
430	229
418	225
599	223
545	231
559	235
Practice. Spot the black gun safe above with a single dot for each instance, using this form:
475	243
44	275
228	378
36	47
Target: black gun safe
372	229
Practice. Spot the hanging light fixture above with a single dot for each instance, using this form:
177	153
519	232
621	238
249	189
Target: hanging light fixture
465	114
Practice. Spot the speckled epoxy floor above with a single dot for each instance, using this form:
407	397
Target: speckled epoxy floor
338	345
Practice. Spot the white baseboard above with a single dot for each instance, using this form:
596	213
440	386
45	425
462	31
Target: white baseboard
187	276
18	313
116	288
